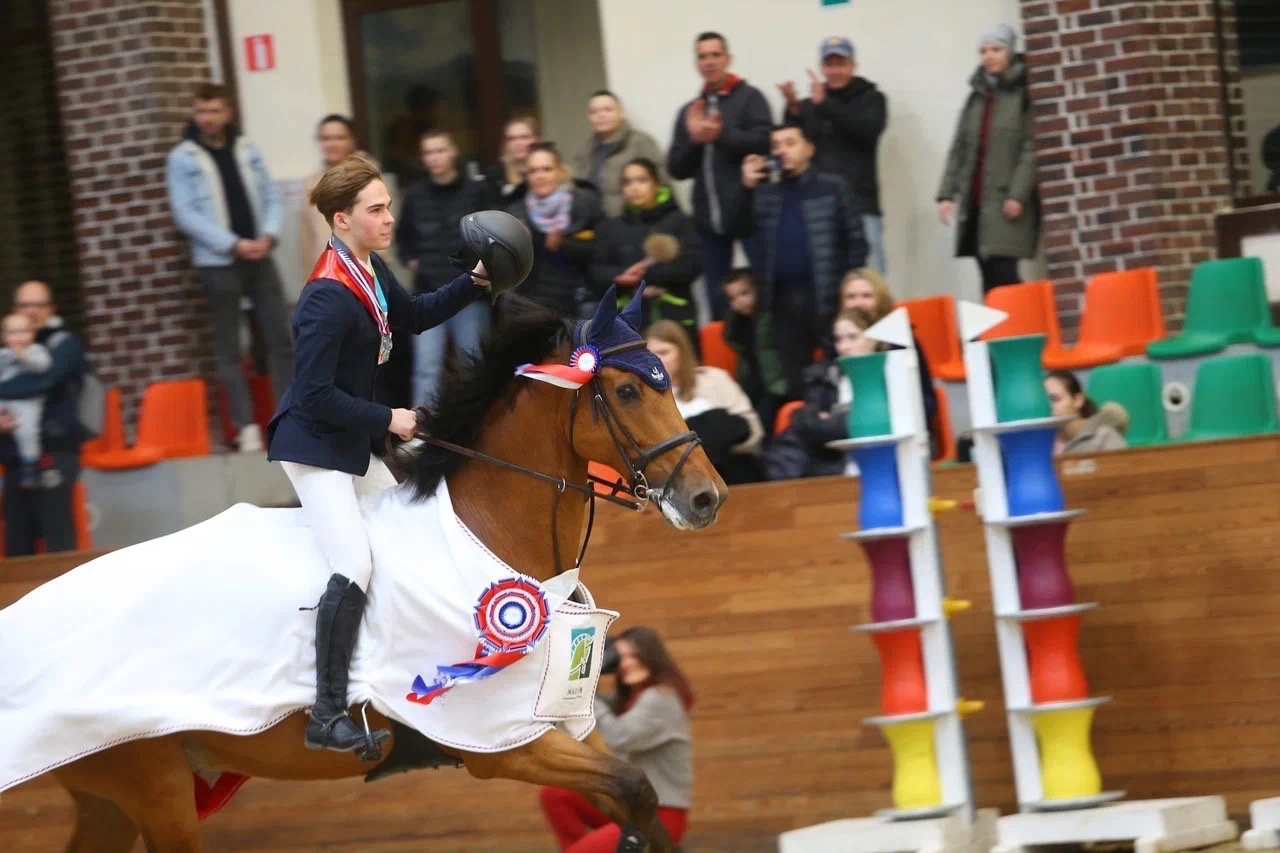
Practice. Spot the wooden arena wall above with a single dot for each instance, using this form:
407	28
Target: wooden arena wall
1180	546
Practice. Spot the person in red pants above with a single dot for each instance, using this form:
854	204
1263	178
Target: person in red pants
645	723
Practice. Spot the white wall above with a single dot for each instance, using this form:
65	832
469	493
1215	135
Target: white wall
919	52
280	108
570	66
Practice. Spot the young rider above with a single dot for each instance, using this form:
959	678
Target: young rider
326	423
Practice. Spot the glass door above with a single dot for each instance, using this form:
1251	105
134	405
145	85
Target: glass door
419	65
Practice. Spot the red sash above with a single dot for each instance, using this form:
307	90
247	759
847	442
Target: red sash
337	264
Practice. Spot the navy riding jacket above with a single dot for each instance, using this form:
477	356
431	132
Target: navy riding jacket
327	417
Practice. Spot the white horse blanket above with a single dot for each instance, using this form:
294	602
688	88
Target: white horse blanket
211	628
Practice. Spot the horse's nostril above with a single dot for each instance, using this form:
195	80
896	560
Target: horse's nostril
703	502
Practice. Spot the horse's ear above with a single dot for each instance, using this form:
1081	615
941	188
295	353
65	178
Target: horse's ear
632	314
605	314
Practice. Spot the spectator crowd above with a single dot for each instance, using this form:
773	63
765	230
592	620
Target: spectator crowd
797	192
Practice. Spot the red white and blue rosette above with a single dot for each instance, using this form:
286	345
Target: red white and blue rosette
511	618
582	366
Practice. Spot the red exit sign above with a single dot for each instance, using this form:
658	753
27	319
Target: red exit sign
259	52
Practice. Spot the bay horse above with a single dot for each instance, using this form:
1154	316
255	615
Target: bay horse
514	455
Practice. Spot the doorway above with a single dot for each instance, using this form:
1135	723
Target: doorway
462	66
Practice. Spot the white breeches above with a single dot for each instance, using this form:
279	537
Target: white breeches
330	503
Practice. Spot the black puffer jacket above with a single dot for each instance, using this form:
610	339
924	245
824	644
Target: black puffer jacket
561	280
427	227
620	243
834	225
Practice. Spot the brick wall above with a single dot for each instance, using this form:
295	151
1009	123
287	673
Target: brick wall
1131	139
125	74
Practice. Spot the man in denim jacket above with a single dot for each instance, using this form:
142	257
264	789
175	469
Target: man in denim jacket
224	200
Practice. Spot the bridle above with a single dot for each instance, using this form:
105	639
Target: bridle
634	494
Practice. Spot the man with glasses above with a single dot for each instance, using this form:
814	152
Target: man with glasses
44	512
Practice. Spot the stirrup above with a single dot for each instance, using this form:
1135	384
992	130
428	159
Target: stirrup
372	749
369	749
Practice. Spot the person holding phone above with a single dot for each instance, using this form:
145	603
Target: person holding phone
804	231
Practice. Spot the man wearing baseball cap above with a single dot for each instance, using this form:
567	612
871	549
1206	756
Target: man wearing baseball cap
845	115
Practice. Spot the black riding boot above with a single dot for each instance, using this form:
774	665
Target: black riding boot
337	625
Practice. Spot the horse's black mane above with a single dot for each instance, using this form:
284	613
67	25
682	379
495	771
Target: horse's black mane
522	332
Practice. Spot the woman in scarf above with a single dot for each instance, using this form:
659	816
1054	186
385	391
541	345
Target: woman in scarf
562	215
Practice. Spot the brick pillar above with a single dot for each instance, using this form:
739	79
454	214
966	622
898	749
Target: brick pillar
126	71
1131	139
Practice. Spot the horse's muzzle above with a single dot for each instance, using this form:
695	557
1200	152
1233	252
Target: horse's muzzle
694	503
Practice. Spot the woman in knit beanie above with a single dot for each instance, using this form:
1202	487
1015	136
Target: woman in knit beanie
990	175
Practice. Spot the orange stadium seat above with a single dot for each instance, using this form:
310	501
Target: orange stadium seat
943	431
783	419
1032	310
108	451
1121	316
716	351
933	321
175	418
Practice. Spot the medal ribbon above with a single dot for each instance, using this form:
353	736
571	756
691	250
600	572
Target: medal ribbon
336	263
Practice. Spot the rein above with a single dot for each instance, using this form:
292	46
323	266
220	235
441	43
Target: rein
637	491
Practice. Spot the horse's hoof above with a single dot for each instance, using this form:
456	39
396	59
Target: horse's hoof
631	841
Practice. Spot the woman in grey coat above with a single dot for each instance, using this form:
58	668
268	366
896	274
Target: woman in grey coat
990	176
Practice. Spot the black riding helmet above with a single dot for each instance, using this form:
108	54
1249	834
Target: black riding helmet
502	242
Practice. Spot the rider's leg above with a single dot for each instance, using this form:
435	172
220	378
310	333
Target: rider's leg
377	478
333	513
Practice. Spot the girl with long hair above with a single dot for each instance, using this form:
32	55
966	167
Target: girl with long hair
645	722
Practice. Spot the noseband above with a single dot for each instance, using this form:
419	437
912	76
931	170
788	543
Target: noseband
634	494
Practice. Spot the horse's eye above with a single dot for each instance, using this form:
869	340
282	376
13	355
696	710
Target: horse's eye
628	392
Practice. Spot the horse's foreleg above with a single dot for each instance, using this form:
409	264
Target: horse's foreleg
150	781
101	827
559	761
